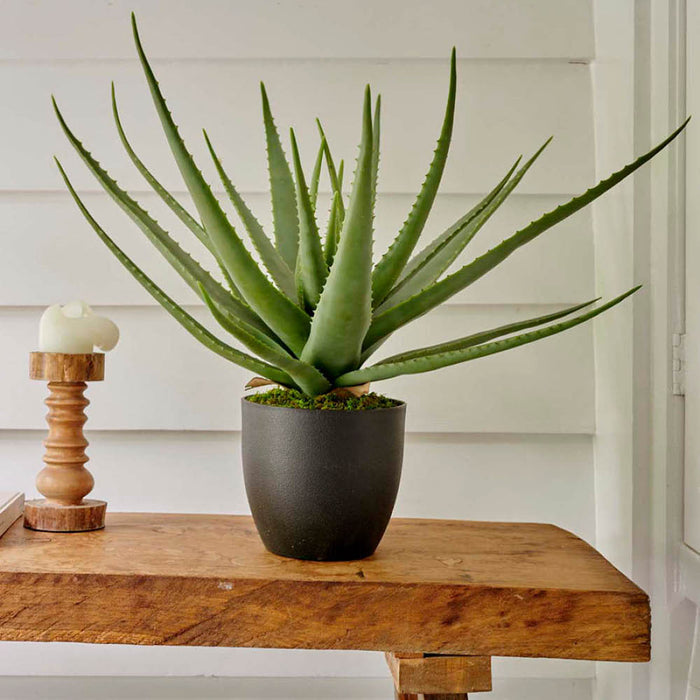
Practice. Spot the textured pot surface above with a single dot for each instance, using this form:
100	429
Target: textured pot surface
322	484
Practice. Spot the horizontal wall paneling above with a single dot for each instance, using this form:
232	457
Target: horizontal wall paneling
92	29
55	255
159	377
503	109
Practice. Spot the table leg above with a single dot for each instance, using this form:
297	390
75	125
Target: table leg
404	696
438	677
413	696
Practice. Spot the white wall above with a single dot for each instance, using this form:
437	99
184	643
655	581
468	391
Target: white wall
509	437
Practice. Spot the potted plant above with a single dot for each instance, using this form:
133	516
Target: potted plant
322	457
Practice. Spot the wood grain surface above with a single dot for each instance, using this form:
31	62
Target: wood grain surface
67	367
65	481
431	675
53	517
11	507
450	587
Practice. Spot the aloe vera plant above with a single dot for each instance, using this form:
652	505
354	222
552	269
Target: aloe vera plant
316	308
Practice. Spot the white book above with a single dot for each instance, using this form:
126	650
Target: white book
11	508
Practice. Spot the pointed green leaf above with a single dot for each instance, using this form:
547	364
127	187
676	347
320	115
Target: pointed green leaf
334	175
397	316
185	217
306	377
344	311
332	231
419	259
376	132
392	263
180	315
341	172
284	203
271	259
181	261
286	319
469	341
316	176
425	267
449	247
428	361
311	267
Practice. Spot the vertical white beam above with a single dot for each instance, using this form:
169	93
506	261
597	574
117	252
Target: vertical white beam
641	324
613	219
639	238
692	438
671	614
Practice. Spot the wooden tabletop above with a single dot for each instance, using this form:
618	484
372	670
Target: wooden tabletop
434	586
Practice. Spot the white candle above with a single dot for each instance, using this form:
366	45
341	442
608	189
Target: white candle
75	329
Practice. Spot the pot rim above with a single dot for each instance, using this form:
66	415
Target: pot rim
400	406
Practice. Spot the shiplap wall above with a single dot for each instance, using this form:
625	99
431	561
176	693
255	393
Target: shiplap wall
508	437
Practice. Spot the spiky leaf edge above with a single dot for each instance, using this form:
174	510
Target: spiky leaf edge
285	217
484	336
330	244
188	268
386	323
306	377
389	268
432	361
316	176
311	268
270	257
427	266
286	319
180	315
334	175
185	217
344	310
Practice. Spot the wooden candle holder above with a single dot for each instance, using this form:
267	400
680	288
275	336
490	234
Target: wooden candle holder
64	481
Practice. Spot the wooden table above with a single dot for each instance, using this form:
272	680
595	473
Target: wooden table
440	597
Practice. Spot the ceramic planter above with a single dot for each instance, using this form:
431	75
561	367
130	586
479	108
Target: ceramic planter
322	484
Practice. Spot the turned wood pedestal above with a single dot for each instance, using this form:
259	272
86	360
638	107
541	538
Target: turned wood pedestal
441	597
64	481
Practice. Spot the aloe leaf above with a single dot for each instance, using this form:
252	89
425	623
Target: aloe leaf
430	360
341	209
181	316
306	377
376	134
311	267
484	336
424	268
286	319
332	231
182	262
185	217
256	341
334	175
419	259
284	204
397	316
446	252
392	263
316	176
344	310
341	172
271	259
